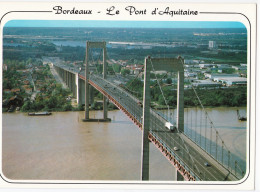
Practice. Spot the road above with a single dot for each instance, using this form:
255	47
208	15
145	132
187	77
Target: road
57	77
188	152
192	157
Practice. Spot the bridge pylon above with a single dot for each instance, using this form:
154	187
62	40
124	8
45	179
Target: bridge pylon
156	64
90	45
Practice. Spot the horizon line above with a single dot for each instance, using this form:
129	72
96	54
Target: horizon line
124	24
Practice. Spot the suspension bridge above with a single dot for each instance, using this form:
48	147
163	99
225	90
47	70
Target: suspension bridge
200	155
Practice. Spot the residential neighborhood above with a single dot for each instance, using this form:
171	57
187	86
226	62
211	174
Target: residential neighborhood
26	83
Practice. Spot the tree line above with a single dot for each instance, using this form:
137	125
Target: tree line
232	97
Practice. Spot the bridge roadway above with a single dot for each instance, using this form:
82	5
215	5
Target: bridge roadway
189	159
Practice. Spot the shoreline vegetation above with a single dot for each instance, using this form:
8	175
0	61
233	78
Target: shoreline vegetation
51	96
114	108
232	97
54	104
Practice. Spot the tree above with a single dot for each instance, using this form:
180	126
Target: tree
169	81
52	102
67	107
26	106
125	72
29	61
161	100
228	70
117	68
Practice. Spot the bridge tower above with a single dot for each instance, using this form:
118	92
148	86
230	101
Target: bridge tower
156	64
91	45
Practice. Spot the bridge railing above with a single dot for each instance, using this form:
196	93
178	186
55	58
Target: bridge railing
208	139
177	157
136	111
129	103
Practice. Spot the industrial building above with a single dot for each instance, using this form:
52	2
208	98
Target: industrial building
223	75
206	83
230	81
213	45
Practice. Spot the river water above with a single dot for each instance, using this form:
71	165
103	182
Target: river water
62	147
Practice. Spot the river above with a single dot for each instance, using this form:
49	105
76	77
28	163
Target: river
62	147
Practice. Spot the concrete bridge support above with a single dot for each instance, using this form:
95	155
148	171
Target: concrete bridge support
71	82
105	101
91	95
178	176
69	78
146	121
80	90
76	85
90	45
73	85
180	102
66	78
170	65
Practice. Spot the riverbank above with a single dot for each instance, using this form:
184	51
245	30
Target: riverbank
99	106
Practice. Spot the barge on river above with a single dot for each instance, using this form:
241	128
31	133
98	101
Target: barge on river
39	113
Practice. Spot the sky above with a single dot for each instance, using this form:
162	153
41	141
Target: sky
123	24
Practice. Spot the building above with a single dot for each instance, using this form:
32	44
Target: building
212	45
192	61
26	82
15	90
231	81
203	66
25	86
223	65
212	76
7	91
241	67
206	83
28	90
134	69
189	74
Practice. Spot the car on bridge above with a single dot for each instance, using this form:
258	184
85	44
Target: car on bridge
176	149
106	85
140	104
170	126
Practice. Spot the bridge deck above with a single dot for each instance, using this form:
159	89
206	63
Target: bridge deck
189	159
190	156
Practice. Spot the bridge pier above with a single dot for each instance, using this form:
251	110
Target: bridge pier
80	90
171	65
69	80
178	176
88	91
180	101
146	121
66	78
72	83
91	94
